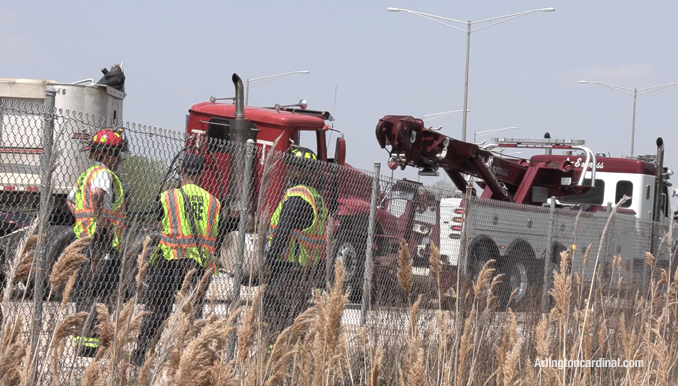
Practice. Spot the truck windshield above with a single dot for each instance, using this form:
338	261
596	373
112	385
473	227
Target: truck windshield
308	139
396	201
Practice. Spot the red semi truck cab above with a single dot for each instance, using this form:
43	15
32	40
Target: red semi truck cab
346	190
273	129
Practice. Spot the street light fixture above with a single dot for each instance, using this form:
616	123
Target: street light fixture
475	134
493	21
267	79
437	115
634	92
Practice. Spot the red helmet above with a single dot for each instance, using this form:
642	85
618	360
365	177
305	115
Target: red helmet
106	139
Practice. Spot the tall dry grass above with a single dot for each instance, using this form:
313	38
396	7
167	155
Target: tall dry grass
425	344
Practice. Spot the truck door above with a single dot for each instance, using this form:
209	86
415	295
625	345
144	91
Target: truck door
328	173
215	178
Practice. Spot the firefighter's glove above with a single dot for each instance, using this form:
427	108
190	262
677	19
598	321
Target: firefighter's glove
154	258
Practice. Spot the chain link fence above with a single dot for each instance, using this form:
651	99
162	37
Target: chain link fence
399	242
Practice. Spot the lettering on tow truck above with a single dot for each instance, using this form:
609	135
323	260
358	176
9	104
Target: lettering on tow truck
580	163
497	170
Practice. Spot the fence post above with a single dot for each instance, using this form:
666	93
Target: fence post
608	240
43	224
462	260
369	258
242	229
647	270
547	259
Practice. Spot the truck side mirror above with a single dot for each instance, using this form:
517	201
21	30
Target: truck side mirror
340	151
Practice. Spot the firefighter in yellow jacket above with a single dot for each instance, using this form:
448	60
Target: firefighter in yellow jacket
98	203
296	243
189	216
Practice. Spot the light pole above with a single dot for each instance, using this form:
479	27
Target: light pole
267	79
493	21
634	92
475	134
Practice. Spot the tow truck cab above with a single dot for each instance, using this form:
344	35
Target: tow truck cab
617	177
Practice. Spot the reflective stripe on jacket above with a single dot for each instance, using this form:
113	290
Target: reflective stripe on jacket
178	241
85	218
306	244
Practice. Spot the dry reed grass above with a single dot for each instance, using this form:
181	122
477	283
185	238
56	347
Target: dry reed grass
587	321
68	262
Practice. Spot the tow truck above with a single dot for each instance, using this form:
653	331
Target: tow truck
516	193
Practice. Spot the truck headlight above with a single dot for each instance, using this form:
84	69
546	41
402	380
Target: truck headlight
421	229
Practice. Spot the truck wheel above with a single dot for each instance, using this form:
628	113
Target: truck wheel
555	260
523	275
58	237
130	266
4	266
558	248
350	250
482	249
8	245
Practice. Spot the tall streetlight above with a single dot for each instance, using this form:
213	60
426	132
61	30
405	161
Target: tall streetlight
493	21
267	79
475	134
634	92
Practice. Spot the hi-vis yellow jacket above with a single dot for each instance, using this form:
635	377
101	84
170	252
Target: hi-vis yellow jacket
178	240
85	223
305	247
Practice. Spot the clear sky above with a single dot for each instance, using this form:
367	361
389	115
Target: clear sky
523	73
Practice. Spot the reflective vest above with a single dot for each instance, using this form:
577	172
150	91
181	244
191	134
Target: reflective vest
178	241
305	246
85	222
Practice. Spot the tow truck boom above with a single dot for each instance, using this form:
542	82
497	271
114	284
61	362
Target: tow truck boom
513	180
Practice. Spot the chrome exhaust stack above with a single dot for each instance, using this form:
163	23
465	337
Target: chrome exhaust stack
240	127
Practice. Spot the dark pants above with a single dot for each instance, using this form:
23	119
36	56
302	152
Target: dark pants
97	280
164	280
287	294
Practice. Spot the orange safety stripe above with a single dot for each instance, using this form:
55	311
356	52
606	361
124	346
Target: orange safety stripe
170	243
176	211
312	247
176	240
173	209
85	215
305	192
188	242
309	241
210	216
169	207
88	202
176	247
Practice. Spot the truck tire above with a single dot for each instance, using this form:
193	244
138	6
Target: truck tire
8	245
350	247
482	250
524	274
558	248
58	237
135	244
